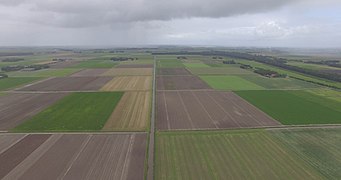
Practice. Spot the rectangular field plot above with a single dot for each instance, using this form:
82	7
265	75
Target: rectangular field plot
74	156
13	82
173	71
69	84
196	65
295	107
131	113
129	83
219	71
135	66
180	83
89	73
207	110
223	155
16	108
95	64
129	72
76	112
170	63
45	73
230	83
321	148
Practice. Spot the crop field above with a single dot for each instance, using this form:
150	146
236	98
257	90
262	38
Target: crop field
227	155
219	71
172	63
321	148
95	64
129	72
45	156
311	66
64	64
76	112
173	71
16	108
135	66
69	84
196	65
129	83
14	82
180	83
45	73
230	83
89	72
207	110
131	114
295	107
327	93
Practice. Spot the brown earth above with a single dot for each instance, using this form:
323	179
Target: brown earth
207	110
69	84
180	83
173	71
83	156
129	83
135	66
16	108
89	73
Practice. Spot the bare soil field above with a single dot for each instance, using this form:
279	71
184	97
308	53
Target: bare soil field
135	66
89	72
75	156
69	84
207	110
173	71
129	83
16	108
180	83
132	112
129	72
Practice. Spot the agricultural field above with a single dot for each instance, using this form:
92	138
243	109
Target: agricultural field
227	155
129	72
131	114
295	107
219	71
129	83
311	66
69	84
321	148
230	83
89	72
180	83
74	156
76	112
95	64
14	82
170	63
45	73
135	66
327	93
196	65
207	110
173	71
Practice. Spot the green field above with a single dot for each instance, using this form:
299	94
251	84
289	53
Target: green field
279	83
321	148
76	112
13	82
45	73
227	155
196	65
219	71
95	64
230	83
310	66
170	63
295	107
327	93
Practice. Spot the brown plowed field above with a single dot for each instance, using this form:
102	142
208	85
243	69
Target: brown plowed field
89	73
173	71
69	84
180	83
132	112
15	108
129	83
75	156
207	110
135	66
129	72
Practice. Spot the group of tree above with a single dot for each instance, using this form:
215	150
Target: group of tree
229	62
14	59
123	59
3	76
181	57
269	73
217	57
332	63
33	67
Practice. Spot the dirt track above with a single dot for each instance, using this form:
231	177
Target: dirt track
207	110
180	83
16	108
76	157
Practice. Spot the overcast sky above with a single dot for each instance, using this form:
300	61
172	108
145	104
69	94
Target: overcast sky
276	23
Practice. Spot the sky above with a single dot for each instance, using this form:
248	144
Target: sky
232	23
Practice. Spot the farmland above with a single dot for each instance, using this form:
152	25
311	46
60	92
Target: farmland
128	72
295	107
180	83
13	82
173	71
95	64
219	71
45	73
89	72
78	111
196	65
227	155
129	83
230	83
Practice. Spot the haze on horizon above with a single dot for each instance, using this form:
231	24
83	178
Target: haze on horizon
264	23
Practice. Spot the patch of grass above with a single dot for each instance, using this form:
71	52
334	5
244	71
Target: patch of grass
230	83
327	93
76	112
13	82
321	148
45	73
310	66
226	155
228	70
95	64
293	107
196	65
